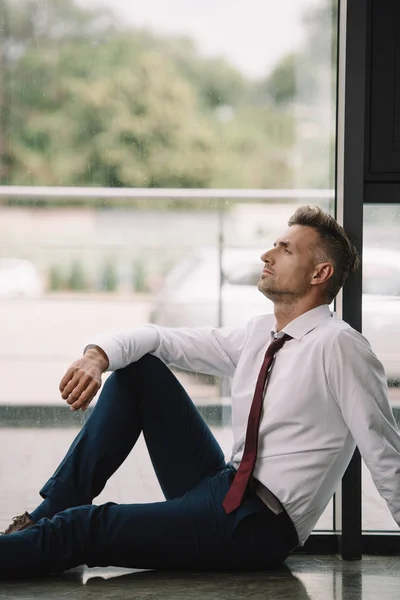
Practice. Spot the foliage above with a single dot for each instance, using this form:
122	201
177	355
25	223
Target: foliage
109	277
84	101
56	278
300	77
77	279
139	283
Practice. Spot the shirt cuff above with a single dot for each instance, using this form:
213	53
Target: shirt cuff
125	347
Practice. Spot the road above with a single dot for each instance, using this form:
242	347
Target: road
39	339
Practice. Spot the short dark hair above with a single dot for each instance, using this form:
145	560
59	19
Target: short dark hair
334	245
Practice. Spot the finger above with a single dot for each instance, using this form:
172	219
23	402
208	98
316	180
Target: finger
86	397
81	383
66	379
90	397
71	385
78	377
86	405
83	404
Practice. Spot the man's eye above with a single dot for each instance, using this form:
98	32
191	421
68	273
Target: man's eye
286	250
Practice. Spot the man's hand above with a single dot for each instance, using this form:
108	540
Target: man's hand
82	381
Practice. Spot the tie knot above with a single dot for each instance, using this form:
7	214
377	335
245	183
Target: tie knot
276	344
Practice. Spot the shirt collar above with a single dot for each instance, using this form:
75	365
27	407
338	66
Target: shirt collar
305	323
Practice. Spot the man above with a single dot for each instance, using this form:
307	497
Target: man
322	389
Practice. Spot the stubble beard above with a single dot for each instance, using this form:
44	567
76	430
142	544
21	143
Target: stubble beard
268	291
275	295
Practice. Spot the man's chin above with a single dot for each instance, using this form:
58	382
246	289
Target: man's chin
273	294
268	293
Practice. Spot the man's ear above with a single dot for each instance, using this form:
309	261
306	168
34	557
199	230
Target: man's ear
323	272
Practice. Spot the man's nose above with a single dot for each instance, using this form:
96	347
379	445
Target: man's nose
267	257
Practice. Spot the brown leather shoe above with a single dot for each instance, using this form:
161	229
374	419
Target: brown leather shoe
19	523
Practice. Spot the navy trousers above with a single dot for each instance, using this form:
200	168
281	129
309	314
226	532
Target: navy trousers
189	530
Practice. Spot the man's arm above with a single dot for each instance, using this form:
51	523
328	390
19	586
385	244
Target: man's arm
203	350
359	387
209	350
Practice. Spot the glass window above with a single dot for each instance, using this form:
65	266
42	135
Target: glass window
381	321
381	272
135	100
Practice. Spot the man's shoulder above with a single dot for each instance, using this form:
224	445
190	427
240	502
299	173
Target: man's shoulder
339	333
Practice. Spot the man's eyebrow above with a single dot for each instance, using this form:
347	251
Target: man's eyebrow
284	244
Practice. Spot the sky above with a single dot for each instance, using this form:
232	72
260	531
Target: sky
252	34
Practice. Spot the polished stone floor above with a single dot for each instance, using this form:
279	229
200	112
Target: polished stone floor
302	578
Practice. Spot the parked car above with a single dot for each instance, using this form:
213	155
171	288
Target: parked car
19	278
190	296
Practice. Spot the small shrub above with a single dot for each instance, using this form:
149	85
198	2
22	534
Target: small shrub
56	278
77	280
139	276
109	280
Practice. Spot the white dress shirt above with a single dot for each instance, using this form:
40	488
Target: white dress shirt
326	392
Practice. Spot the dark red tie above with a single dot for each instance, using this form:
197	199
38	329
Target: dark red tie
234	497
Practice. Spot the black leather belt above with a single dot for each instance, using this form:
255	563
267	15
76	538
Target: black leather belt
266	496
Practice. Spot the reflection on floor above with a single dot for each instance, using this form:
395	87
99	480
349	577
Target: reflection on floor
302	578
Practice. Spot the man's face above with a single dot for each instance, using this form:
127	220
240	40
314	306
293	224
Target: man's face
289	265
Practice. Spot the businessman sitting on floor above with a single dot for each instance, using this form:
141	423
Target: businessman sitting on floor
306	388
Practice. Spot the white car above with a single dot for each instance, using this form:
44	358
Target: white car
19	278
191	296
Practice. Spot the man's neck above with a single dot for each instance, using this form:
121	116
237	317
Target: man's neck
285	313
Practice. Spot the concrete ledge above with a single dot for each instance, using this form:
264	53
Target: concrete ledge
52	416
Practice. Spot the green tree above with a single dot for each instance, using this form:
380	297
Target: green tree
88	101
308	64
136	126
301	83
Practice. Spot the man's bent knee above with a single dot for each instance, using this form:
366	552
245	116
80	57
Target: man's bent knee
148	363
